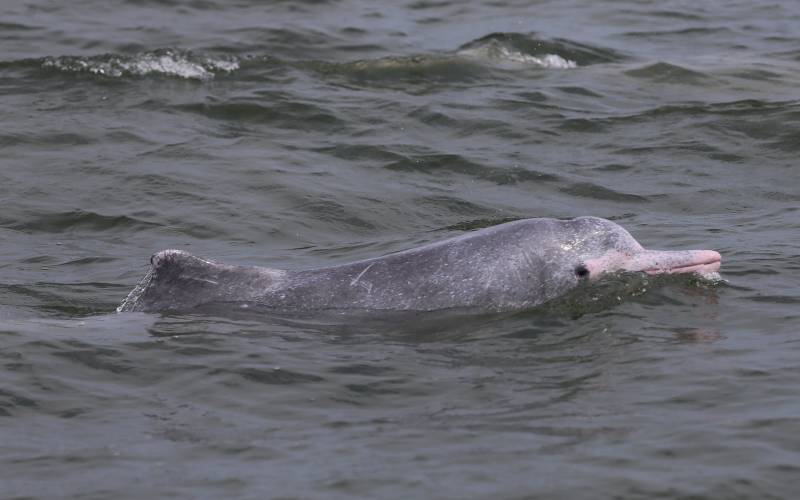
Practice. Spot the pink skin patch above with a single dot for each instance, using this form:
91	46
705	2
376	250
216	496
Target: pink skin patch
656	262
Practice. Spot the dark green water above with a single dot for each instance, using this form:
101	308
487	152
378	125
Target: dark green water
302	134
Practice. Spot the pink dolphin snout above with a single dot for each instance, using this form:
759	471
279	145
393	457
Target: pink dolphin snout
657	262
669	262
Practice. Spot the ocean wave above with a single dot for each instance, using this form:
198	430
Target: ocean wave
476	58
162	62
670	73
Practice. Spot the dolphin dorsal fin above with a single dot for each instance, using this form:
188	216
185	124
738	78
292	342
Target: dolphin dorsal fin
179	281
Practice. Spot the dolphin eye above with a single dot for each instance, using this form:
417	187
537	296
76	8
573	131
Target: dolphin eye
581	271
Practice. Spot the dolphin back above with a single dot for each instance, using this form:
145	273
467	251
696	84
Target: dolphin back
179	281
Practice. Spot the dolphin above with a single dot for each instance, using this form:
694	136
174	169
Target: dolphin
511	266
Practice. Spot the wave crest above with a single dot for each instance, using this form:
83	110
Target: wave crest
163	62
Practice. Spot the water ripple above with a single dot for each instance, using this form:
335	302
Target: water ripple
76	220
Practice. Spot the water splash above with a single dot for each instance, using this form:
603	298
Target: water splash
162	62
495	51
129	302
711	278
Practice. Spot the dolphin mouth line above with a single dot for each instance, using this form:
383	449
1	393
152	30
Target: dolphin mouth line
707	266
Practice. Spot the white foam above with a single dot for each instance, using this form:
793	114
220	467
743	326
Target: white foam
551	61
167	63
712	277
497	52
223	65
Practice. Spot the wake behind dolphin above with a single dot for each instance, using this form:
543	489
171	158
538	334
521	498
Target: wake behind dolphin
507	267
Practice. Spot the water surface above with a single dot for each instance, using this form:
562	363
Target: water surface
302	134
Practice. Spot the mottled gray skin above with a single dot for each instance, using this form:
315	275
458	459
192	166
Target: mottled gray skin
510	266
